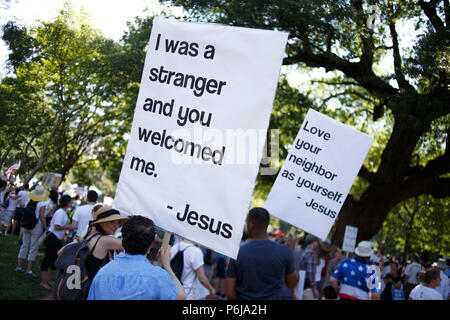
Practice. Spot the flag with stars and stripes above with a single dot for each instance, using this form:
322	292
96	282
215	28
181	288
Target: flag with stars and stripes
356	279
14	167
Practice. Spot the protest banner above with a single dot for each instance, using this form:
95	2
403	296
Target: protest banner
349	242
51	180
317	174
199	80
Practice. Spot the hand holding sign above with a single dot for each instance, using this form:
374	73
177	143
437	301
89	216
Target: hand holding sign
198	75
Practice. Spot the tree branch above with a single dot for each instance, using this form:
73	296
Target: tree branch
429	8
355	70
402	82
365	35
439	188
366	174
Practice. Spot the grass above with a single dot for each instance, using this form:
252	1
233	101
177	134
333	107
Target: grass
17	285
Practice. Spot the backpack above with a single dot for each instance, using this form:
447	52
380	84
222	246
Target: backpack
29	219
72	281
177	263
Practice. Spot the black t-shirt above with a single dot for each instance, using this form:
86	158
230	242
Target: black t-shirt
260	270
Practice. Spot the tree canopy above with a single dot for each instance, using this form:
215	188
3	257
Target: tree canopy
412	99
58	101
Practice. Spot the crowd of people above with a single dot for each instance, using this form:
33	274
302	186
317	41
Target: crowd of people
126	260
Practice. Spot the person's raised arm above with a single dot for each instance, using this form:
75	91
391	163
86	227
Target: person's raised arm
13	196
164	258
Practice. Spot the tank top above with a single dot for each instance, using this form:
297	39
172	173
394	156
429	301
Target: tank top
93	264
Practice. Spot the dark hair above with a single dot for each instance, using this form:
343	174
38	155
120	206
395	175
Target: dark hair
3	183
53	195
138	233
98	228
365	260
97	207
310	239
414	257
259	216
428	275
92	196
64	201
26	186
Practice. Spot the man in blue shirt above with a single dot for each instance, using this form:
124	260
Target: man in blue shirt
262	266
131	276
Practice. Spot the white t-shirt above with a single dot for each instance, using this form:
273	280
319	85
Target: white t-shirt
39	205
444	287
61	219
23	196
319	269
82	215
193	259
421	292
411	271
51	207
12	203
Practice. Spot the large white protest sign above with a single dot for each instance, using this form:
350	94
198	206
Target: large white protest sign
349	242
199	80
317	174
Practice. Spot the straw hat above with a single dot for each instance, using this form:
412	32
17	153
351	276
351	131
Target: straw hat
39	194
107	213
364	249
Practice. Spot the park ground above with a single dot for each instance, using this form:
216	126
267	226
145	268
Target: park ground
17	285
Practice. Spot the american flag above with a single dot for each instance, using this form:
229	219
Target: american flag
14	167
354	277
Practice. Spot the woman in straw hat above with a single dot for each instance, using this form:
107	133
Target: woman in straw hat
53	242
30	238
99	238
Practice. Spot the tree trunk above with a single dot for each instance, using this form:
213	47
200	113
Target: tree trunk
44	155
390	185
11	145
367	215
410	230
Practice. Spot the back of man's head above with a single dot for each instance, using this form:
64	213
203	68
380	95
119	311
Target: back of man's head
260	217
138	233
414	257
92	196
3	184
310	239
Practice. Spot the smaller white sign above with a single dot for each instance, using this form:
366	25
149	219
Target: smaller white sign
349	239
317	174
